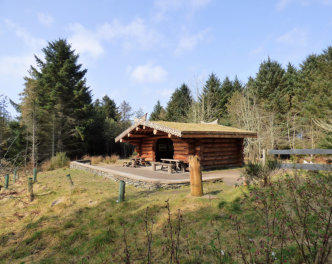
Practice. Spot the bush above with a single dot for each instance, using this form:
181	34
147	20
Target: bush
60	160
96	159
111	159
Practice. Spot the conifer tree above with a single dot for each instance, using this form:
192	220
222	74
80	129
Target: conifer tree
210	99
158	112
179	105
64	96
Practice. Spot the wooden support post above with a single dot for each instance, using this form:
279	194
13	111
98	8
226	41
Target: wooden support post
154	166
169	169
122	187
6	181
70	180
30	189
34	174
264	157
196	186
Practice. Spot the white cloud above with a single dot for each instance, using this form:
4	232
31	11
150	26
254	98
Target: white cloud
295	37
165	6
282	4
189	42
16	66
45	19
136	34
85	41
148	73
165	93
28	39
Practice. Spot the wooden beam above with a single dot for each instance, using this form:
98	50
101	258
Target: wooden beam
217	136
300	151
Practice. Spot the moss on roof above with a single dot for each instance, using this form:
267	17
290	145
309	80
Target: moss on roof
194	127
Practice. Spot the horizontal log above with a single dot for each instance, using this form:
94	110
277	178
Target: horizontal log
220	140
220	158
212	162
311	167
226	145
219	152
300	152
218	136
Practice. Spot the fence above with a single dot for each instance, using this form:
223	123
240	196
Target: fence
306	166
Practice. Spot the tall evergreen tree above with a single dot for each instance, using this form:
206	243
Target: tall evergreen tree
63	94
210	99
179	105
158	112
268	86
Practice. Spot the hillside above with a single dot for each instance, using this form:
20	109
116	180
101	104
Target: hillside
86	225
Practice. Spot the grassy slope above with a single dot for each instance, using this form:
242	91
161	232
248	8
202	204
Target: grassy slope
87	224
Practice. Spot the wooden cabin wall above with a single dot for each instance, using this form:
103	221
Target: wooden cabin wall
220	152
145	148
181	149
213	152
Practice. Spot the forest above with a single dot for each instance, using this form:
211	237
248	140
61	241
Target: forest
289	107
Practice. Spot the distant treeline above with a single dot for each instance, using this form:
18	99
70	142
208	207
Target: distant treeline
287	107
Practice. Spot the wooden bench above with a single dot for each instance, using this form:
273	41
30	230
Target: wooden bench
163	164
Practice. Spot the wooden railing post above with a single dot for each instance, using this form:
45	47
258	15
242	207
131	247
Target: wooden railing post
6	181
34	174
122	187
30	189
196	186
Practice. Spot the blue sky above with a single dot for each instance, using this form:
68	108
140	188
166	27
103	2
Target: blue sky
140	51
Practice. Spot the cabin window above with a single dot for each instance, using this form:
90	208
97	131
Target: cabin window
164	149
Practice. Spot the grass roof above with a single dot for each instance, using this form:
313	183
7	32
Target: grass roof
194	127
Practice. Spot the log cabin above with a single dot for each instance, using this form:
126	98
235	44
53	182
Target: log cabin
216	146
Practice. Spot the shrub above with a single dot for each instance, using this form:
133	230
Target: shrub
96	159
60	160
111	159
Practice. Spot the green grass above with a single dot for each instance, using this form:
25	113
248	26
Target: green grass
86	225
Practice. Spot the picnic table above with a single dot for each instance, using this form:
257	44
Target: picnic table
178	164
135	162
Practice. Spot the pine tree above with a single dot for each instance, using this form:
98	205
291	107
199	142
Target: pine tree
158	112
179	105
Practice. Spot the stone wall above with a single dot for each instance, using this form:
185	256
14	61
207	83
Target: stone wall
115	176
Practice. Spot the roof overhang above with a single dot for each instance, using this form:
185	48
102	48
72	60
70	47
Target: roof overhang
135	131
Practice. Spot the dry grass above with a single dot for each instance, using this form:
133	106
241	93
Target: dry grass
65	224
111	159
194	127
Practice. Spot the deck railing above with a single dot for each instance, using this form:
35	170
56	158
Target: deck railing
305	166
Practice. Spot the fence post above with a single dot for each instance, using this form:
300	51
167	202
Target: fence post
196	186
34	174
70	180
6	181
264	157
122	187
30	189
14	177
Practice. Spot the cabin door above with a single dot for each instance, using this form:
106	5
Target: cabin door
164	149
